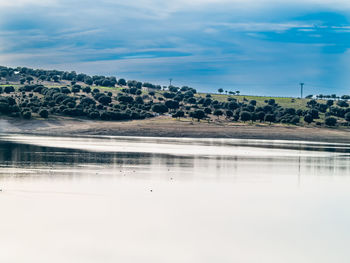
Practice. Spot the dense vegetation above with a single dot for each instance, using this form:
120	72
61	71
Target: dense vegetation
27	93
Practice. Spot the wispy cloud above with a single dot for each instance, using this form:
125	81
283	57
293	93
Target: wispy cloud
258	45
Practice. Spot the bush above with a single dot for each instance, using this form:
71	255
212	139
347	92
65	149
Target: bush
330	121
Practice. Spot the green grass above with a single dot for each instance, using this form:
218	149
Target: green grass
285	102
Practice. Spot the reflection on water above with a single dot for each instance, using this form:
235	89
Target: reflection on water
120	199
224	157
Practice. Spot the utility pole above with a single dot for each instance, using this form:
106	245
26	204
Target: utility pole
170	80
301	89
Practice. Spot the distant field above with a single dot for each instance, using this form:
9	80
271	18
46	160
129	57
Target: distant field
285	102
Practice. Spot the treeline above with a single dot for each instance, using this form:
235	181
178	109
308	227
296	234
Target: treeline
133	100
132	104
28	75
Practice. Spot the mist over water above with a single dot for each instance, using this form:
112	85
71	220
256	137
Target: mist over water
120	199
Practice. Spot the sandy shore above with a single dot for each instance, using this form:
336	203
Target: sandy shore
167	127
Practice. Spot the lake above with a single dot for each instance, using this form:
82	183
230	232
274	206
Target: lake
133	199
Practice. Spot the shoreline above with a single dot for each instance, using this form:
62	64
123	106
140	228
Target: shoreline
167	127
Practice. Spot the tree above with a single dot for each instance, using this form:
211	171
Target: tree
172	104
220	90
125	99
270	118
308	119
330	121
330	103
229	114
342	103
27	115
347	117
218	113
87	89
55	78
105	100
271	102
245	116
159	108
44	113
9	89
252	102
198	114
314	113
207	110
122	82
29	79
75	90
65	90
179	114
260	116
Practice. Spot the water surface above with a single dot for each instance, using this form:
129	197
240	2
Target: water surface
120	199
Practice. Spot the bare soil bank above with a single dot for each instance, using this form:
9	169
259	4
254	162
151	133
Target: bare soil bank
167	127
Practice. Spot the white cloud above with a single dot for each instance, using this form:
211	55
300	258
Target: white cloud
258	27
20	3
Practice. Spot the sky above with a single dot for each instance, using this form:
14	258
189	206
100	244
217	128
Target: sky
264	47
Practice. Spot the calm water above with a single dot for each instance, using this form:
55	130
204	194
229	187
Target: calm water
107	200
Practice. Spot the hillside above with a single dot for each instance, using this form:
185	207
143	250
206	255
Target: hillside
28	93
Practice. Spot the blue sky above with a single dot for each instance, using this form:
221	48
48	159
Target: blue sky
261	47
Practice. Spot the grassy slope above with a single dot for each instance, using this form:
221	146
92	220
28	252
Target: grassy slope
285	102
